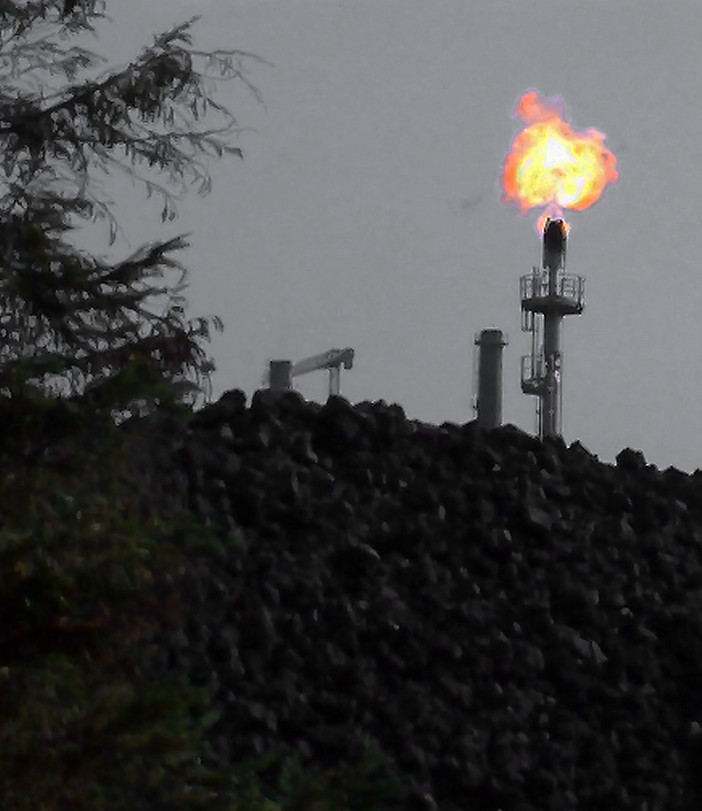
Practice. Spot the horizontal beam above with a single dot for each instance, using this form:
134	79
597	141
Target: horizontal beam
327	360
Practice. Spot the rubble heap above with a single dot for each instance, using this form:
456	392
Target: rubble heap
516	623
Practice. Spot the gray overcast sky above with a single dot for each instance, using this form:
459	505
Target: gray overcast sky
367	210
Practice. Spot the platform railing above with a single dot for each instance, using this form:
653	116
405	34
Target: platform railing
536	286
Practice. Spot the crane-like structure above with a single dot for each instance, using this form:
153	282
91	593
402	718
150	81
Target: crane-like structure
281	372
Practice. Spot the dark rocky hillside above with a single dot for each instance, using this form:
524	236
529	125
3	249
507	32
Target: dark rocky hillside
517	624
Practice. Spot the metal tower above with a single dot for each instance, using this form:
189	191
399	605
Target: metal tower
547	295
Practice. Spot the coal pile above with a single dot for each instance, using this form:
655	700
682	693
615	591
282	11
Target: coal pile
517	624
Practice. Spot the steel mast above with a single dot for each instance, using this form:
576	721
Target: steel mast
547	295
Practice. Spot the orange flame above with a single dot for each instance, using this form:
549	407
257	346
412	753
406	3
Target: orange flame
553	165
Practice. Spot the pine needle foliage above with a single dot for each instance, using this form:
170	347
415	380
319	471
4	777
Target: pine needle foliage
73	324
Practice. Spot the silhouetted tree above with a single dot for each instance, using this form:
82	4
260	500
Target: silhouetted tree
93	712
112	333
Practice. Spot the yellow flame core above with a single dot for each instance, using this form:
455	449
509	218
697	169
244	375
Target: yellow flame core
551	164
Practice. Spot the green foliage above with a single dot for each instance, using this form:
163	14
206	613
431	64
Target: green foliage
369	784
91	716
274	783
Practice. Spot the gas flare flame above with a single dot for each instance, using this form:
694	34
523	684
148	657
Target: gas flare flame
553	165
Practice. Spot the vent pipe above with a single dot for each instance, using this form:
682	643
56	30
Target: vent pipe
490	343
280	375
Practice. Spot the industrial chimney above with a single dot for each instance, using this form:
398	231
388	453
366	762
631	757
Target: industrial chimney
280	375
490	343
547	295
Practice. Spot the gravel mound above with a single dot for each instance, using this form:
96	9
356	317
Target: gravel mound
516	623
